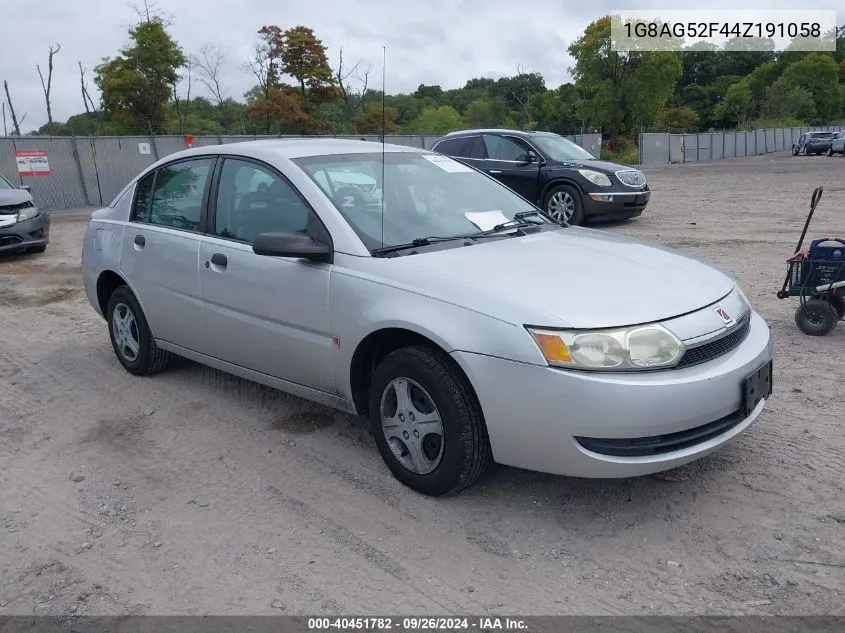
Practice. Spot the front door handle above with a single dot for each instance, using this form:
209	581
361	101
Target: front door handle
219	260
494	172
140	241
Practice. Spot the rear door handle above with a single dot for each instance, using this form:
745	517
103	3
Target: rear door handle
494	172
219	259
140	240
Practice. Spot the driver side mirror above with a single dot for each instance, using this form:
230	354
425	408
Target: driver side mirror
531	157
291	245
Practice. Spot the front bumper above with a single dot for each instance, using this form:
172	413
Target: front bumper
535	413
613	205
24	235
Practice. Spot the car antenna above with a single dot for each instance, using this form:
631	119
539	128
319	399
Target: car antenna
383	135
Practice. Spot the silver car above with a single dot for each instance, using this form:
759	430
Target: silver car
837	144
436	308
24	228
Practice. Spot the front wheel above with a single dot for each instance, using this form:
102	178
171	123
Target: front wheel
816	317
131	337
427	423
565	205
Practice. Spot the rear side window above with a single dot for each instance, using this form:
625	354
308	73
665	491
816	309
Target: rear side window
451	146
178	191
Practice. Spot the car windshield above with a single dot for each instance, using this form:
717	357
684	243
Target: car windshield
425	195
560	149
5	184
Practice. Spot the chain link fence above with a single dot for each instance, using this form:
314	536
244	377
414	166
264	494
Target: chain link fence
67	172
660	148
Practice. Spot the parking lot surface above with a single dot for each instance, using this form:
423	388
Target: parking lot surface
193	492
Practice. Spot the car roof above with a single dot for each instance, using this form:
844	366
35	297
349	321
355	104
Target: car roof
522	133
292	148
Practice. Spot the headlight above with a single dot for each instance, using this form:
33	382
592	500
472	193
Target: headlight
595	177
27	213
626	349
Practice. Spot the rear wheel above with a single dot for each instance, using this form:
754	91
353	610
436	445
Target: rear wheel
565	205
426	421
816	317
131	337
830	152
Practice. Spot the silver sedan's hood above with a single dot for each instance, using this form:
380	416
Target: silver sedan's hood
572	277
13	197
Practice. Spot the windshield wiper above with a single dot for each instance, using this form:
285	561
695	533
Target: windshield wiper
427	241
517	223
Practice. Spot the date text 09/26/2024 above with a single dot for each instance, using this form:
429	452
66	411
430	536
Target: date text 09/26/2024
480	624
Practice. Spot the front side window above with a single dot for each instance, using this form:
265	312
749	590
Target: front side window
501	148
253	199
421	195
560	149
177	194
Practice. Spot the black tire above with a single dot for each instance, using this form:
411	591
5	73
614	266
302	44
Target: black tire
577	216
149	359
830	151
838	304
795	151
816	317
465	454
37	249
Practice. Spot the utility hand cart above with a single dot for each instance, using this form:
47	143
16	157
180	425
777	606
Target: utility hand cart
817	276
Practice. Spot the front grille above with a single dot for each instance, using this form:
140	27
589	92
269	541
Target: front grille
659	444
631	178
715	348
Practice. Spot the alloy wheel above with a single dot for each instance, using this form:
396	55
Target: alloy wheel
561	207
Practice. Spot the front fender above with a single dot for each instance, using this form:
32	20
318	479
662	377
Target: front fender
361	306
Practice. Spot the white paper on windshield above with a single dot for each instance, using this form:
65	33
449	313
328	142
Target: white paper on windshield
446	164
486	220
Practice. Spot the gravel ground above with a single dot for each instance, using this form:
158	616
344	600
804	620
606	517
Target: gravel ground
197	493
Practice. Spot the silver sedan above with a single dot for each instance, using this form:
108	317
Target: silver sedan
432	302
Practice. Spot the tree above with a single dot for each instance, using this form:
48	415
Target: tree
627	89
486	112
16	125
351	97
789	102
369	120
210	64
439	120
734	108
304	58
281	107
817	74
674	119
48	85
138	84
86	98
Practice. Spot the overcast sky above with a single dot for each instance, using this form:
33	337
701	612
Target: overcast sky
441	42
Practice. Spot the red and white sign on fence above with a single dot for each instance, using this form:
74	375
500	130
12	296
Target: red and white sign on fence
32	163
